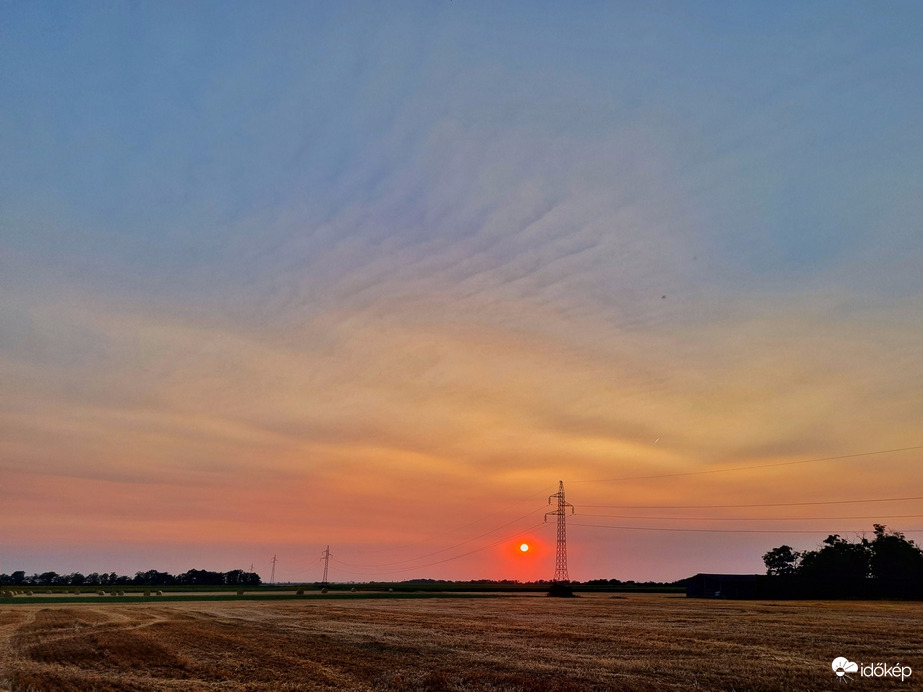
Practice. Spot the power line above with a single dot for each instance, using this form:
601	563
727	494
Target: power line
654	528
457	529
390	566
455	557
876	516
748	468
443	550
771	504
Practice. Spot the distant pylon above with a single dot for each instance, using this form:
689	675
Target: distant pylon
325	556
560	557
272	577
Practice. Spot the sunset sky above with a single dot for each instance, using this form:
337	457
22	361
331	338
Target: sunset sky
378	275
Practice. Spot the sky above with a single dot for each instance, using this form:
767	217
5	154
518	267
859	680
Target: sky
277	276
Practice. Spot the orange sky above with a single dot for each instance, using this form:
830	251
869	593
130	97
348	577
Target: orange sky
241	446
278	279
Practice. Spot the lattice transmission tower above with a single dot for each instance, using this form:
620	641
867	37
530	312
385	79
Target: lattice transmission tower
272	577
325	556
560	557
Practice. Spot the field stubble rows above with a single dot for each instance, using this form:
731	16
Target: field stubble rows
599	642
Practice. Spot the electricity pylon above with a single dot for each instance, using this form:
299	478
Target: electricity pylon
560	557
325	556
272	577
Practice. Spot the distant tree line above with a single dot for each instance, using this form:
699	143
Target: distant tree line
630	582
453	581
887	566
194	577
505	582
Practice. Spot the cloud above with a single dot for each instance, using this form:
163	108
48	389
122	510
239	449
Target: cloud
389	260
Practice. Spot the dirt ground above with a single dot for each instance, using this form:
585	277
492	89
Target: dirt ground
524	642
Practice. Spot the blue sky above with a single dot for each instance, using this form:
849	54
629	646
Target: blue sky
446	244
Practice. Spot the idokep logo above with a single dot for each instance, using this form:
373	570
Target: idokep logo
843	667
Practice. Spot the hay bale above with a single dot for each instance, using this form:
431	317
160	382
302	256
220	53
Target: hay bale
299	592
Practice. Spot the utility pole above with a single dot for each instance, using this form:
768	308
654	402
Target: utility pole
272	577
560	557
325	556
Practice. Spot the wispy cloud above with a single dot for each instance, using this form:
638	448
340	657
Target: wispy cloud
443	260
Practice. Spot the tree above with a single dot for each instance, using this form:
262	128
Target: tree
201	577
235	577
839	561
890	565
781	561
153	578
46	579
895	561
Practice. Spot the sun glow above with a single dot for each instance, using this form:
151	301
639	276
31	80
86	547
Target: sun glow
524	547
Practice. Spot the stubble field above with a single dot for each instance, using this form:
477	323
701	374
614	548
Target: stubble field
524	642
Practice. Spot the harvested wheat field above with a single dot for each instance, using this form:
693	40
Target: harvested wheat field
597	642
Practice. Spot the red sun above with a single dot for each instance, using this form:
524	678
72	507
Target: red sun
524	547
